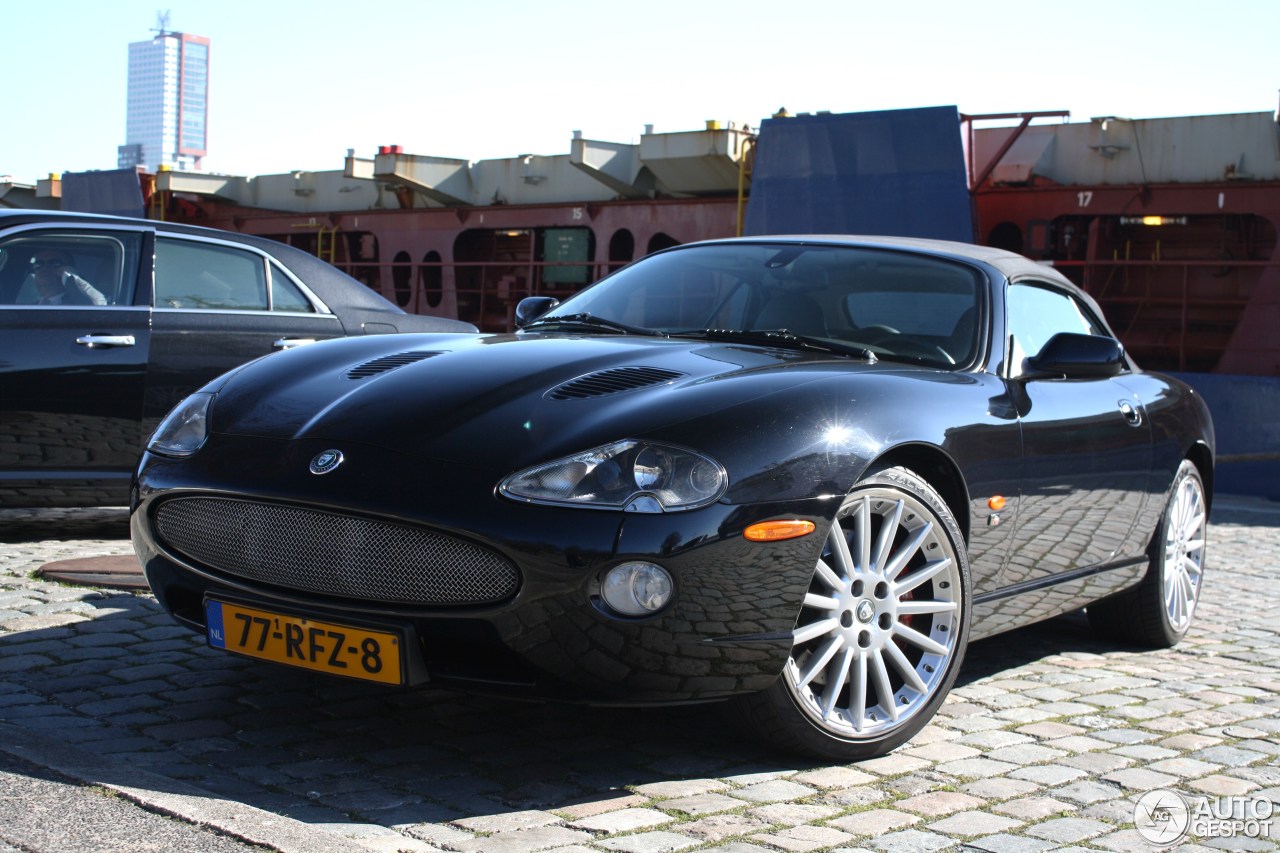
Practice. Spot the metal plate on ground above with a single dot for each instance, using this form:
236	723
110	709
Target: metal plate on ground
116	571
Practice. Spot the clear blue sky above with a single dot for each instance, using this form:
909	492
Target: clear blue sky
294	84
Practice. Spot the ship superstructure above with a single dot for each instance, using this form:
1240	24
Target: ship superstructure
1171	223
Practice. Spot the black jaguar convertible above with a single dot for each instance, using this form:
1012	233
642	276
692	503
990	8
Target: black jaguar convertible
799	473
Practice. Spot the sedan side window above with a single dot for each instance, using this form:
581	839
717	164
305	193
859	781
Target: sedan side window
285	295
67	268
1036	314
191	274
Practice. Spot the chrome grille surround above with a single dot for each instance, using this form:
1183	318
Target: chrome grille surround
333	554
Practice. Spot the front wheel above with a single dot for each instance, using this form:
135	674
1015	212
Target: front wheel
882	630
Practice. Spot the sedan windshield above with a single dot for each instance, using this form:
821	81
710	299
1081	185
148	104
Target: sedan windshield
894	305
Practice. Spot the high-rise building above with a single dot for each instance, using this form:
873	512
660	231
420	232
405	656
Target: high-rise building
168	104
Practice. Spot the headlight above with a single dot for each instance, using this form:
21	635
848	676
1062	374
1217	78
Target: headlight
183	430
639	476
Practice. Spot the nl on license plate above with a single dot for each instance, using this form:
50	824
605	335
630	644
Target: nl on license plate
308	643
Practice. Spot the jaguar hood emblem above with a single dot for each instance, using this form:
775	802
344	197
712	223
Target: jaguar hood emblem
326	461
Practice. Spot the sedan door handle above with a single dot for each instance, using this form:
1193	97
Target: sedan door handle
290	343
1131	413
95	341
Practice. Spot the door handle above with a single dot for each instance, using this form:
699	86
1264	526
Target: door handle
290	343
96	341
1131	413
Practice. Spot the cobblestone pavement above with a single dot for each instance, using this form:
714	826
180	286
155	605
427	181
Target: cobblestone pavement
1047	741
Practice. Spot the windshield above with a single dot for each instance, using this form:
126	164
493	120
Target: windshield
898	305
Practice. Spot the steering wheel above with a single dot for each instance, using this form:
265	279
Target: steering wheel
875	333
908	346
879	335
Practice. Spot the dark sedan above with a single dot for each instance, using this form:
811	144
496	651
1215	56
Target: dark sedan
106	323
801	474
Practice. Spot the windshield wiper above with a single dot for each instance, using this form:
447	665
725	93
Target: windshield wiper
591	320
778	338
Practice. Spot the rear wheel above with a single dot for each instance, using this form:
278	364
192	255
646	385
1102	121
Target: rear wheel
882	630
1158	611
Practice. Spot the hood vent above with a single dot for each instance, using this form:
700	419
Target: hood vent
387	362
612	381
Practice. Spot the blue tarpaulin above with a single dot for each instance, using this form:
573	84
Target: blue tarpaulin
892	172
1246	419
116	192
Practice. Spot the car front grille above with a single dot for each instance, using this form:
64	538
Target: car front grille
333	554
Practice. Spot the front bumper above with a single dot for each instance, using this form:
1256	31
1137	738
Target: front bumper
727	631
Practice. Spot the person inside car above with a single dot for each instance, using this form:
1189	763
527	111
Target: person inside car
57	283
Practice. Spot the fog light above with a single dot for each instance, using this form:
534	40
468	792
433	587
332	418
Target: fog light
636	589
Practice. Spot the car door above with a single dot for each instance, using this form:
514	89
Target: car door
72	363
1086	445
219	304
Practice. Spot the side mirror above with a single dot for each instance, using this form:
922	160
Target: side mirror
1077	356
532	307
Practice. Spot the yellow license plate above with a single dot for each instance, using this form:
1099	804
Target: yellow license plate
307	643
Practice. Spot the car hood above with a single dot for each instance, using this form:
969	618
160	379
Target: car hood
510	399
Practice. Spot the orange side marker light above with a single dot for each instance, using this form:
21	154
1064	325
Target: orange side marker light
775	531
996	503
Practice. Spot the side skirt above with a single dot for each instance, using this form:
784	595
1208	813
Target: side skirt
1043	598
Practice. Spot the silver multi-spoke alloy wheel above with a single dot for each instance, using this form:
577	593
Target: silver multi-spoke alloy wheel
1184	541
1158	611
881	630
878	626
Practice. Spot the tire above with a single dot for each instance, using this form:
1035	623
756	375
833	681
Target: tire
882	631
1158	611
